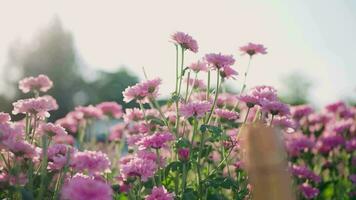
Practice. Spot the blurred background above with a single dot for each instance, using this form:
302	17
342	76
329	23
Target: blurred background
93	50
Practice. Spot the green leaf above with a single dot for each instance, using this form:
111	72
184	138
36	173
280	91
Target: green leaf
189	194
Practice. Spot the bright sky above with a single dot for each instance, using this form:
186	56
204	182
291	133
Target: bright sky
316	38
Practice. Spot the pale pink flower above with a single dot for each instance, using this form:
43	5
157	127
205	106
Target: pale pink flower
116	132
185	41
156	141
52	129
284	122
264	93
86	188
4	117
71	121
90	112
39	106
91	161
195	109
58	155
138	167
252	49
250	100
226	114
40	83
111	109
198	66
160	193
64	139
142	92
133	114
149	155
196	83
218	61
226	100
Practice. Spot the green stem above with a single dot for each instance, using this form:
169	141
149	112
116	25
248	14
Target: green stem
159	167
187	88
208	87
216	97
184	177
248	111
198	164
177	69
43	168
181	72
245	76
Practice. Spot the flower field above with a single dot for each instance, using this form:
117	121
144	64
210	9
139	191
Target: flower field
189	146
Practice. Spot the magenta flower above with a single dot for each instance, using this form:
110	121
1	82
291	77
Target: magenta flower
183	154
91	161
39	106
250	100
328	141
156	141
52	129
138	167
350	145
142	92
275	107
336	107
4	117
85	188
160	193
297	143
198	66
252	49
19	179
308	191
195	109
301	111
218	61
284	122
111	109
185	41
228	72
40	83
226	114
304	172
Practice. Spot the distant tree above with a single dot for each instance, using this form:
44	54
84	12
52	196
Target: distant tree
52	52
295	89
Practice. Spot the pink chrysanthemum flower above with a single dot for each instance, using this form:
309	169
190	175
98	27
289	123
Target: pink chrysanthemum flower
138	167
111	109
226	100
4	117
304	172
336	107
183	154
40	83
39	106
226	114
198	66
301	111
328	141
284	122
350	145
252	49
228	72
264	93
143	91
52	129
63	139
196	83
116	132
18	179
250	100
308	191
218	61
275	107
195	109
185	41
297	143
58	156
160	193
91	161
133	114
156	141
85	188
90	112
